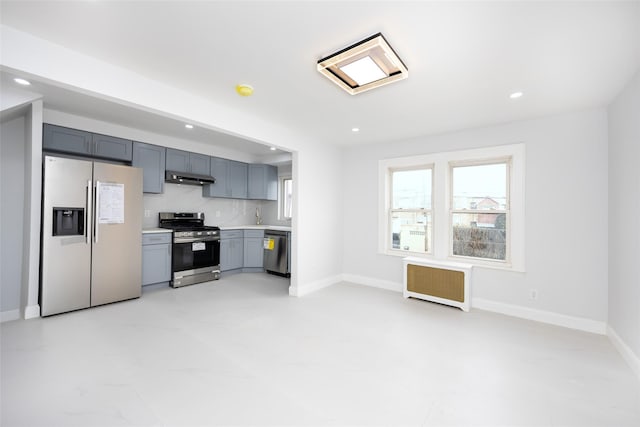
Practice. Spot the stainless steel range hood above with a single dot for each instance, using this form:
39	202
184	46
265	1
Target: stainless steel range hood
187	178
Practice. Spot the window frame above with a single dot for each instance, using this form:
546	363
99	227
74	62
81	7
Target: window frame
282	198
391	210
481	162
441	248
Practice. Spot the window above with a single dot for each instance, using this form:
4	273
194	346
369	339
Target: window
286	197
479	209
459	205
410	210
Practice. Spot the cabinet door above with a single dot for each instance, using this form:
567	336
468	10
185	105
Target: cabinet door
151	159
156	264
177	160
238	180
219	170
231	251
110	147
263	182
253	252
271	182
225	255
58	138
199	163
237	251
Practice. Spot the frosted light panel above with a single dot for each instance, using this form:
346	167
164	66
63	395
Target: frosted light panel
363	71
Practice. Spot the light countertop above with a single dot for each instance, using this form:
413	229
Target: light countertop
155	230
257	227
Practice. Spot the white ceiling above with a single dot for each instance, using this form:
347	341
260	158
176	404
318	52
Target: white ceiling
464	58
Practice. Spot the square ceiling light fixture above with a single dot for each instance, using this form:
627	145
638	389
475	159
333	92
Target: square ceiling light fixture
365	65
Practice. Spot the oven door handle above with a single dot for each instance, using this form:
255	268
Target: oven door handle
195	239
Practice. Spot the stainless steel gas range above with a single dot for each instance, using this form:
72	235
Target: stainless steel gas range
195	248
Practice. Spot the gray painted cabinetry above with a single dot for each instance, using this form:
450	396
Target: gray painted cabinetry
231	179
262	182
73	141
231	249
184	161
156	258
151	159
253	249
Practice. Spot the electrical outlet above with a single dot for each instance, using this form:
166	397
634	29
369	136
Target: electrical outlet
217	214
147	213
533	294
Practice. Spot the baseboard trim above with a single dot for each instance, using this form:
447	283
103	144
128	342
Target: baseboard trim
9	315
370	281
627	354
306	289
579	323
32	311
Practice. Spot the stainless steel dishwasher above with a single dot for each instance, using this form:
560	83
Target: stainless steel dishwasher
276	252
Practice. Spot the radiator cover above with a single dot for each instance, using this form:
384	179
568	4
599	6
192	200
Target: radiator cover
438	281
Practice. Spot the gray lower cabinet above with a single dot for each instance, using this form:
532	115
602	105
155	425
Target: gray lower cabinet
156	258
151	158
231	249
231	179
74	141
262	182
253	248
184	161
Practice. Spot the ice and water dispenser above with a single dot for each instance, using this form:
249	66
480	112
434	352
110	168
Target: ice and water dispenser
68	221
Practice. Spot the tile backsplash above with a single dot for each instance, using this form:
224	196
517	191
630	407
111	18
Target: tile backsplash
218	212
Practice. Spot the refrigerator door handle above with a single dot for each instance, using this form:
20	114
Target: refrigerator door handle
87	233
96	213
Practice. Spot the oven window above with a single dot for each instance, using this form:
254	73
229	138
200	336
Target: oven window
189	256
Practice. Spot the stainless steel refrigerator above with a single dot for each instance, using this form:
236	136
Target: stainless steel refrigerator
91	234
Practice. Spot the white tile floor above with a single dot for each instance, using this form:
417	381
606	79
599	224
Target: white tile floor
242	352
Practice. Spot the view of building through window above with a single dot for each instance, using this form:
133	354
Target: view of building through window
410	215
479	210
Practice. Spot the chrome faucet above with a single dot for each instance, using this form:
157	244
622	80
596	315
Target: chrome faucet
258	219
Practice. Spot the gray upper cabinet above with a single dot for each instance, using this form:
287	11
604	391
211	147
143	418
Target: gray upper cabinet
199	163
263	182
73	141
184	161
151	159
238	179
110	147
66	140
219	171
231	179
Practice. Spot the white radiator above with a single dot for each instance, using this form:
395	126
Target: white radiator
443	282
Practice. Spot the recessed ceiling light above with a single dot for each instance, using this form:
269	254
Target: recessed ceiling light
365	65
272	148
516	95
355	129
22	82
188	126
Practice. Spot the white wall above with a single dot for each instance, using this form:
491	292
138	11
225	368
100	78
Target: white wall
12	161
624	205
565	226
317	218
